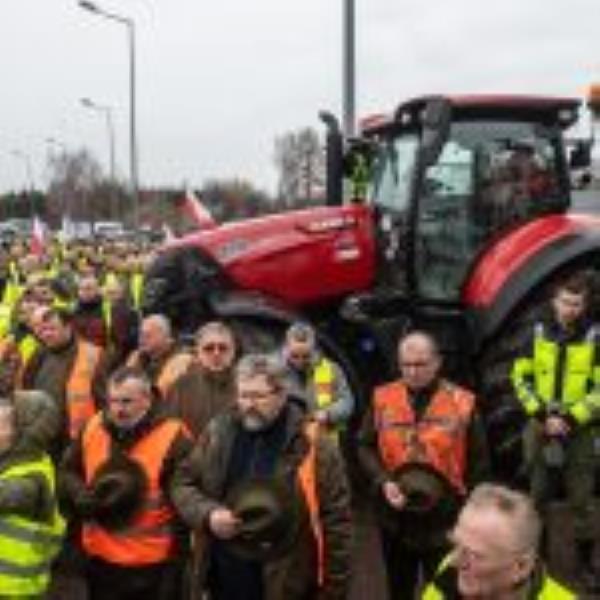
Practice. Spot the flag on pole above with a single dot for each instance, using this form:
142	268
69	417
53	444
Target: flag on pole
193	208
38	237
168	233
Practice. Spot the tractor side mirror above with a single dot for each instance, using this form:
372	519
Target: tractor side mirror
580	155
435	120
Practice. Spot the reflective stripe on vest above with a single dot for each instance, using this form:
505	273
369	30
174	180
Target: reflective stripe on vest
549	590
577	371
307	478
27	546
80	401
149	538
27	347
136	286
438	438
323	383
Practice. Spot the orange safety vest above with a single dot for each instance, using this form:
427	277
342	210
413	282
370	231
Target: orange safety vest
307	479
174	367
79	399
438	438
149	538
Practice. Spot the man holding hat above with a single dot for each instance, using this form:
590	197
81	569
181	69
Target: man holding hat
270	491
118	480
422	447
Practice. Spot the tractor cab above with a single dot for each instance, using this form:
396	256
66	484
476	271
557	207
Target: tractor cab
450	175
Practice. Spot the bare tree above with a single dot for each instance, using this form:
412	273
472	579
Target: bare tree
300	160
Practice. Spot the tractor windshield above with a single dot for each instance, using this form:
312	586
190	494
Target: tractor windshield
489	176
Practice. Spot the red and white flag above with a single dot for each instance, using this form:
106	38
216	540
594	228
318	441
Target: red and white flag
38	237
193	208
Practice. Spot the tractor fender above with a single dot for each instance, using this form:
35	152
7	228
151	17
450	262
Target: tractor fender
521	262
229	304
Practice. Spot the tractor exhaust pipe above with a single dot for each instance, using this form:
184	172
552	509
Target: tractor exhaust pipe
334	158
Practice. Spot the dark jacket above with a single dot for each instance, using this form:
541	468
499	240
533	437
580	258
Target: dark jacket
198	396
292	576
117	335
49	370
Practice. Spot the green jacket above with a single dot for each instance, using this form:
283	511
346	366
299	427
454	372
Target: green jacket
540	586
561	374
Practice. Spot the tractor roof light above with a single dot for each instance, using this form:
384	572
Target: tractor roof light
593	100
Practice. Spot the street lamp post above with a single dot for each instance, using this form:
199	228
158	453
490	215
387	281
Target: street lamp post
349	68
107	111
133	154
29	174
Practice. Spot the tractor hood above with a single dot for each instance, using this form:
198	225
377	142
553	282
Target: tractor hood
304	257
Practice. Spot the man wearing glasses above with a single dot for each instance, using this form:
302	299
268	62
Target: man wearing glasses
267	438
494	555
429	424
207	388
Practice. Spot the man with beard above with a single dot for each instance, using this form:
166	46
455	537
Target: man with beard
495	552
267	438
207	388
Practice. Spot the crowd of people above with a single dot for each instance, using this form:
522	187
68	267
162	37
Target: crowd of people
134	466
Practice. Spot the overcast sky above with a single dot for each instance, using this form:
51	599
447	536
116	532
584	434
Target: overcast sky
219	80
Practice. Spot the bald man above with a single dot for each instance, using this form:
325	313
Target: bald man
424	421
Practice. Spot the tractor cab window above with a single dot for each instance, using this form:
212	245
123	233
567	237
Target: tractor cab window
391	189
488	177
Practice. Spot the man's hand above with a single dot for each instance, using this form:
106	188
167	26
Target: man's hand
393	495
556	426
223	523
320	416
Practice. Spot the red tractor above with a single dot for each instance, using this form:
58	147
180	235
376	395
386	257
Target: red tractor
459	220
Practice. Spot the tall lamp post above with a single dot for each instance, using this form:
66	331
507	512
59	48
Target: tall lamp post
133	155
107	111
29	174
349	67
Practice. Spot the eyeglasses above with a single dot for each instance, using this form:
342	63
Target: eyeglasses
214	347
256	395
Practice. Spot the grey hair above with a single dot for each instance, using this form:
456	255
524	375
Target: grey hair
214	327
515	505
301	332
269	366
162	322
